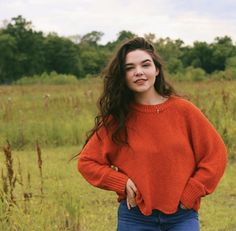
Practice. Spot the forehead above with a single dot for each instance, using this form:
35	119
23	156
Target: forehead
137	56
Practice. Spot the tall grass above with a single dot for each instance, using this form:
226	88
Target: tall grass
70	203
54	115
52	205
46	124
58	115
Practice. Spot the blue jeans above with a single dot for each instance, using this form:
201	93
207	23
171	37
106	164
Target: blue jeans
134	220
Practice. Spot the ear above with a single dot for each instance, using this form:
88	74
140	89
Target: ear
157	71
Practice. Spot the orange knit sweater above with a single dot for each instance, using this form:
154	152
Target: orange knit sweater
174	155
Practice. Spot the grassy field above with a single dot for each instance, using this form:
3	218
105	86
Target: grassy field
70	203
55	196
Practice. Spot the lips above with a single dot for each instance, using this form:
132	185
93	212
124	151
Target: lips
140	81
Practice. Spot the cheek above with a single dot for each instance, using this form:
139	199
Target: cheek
128	78
128	81
152	72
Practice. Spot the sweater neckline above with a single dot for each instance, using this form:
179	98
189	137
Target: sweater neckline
153	107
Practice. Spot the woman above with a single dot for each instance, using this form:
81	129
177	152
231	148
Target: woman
156	150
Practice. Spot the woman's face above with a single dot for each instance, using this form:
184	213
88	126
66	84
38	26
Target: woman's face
140	71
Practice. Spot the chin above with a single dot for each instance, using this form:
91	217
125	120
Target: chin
141	90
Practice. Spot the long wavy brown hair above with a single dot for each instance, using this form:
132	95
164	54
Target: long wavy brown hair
116	96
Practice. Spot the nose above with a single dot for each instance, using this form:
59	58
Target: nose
138	71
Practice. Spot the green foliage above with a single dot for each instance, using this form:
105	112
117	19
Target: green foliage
92	38
228	74
8	49
231	62
190	74
61	55
26	52
174	65
195	74
27	48
124	35
45	78
223	49
169	49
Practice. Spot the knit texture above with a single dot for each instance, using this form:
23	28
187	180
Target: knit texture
174	155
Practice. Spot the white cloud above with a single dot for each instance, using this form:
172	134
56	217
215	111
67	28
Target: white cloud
189	20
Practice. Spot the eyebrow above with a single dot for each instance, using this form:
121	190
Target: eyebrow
144	61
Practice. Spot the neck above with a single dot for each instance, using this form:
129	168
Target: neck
149	98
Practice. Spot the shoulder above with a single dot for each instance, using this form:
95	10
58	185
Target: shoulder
187	109
185	105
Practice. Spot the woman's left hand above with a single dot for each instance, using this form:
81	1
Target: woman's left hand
131	194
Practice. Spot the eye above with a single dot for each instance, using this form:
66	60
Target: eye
146	65
129	68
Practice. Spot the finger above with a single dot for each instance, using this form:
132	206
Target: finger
128	205
130	192
133	187
132	202
133	205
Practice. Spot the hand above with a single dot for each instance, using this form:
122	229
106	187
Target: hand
130	193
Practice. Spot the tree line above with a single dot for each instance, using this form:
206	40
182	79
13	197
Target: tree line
26	52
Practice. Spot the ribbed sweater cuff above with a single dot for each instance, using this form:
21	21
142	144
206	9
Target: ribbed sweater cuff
193	190
116	181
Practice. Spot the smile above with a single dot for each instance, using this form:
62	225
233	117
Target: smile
140	81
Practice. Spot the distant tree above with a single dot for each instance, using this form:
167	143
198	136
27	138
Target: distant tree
75	38
222	49
92	38
24	51
28	49
174	65
231	62
8	58
170	51
200	56
150	37
124	35
61	55
121	37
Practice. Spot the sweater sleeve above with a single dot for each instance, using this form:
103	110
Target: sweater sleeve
210	155
94	165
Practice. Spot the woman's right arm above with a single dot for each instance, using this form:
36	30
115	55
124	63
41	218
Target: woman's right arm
95	167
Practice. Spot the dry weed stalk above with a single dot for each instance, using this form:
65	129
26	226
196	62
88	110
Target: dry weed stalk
4	184
10	171
27	194
7	116
89	95
46	101
225	99
225	134
26	190
20	178
40	164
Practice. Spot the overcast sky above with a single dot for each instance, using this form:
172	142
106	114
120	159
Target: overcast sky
189	20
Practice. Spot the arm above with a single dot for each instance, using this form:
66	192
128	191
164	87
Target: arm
210	156
95	167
